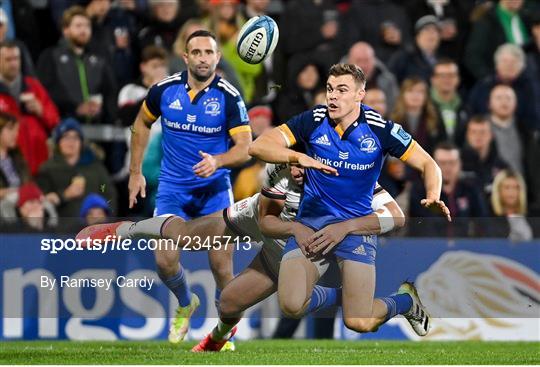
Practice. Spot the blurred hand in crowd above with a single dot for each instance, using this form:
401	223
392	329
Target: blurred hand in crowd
32	104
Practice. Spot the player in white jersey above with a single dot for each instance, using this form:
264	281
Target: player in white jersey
267	218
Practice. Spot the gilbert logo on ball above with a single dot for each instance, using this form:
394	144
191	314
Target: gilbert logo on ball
257	39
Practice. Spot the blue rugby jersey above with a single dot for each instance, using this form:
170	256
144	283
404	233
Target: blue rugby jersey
356	153
191	123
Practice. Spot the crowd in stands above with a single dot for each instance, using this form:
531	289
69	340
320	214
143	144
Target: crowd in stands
462	76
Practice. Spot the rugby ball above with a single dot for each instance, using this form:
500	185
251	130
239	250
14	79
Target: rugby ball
257	39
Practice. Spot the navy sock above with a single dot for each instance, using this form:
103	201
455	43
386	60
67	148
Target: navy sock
397	304
324	297
178	285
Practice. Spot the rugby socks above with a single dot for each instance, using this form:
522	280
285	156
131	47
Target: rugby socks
145	228
178	285
397	304
324	297
222	331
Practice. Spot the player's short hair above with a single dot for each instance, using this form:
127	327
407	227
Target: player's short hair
9	44
153	52
446	145
349	69
72	12
445	61
478	119
200	33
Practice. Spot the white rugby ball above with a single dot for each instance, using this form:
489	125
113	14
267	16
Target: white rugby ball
257	39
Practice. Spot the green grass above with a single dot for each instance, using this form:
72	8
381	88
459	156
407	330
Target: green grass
272	352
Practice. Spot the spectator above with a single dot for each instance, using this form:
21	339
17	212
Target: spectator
248	180
310	27
377	74
415	111
13	168
462	198
34	209
479	154
502	24
453	19
376	99
25	97
444	94
226	20
177	63
153	68
533	50
509	201
304	80
510	70
94	209
419	59
73	172
113	33
254	8
381	23
165	21
26	58
509	141
79	81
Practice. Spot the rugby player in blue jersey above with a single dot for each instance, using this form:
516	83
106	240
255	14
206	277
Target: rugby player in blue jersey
345	144
200	114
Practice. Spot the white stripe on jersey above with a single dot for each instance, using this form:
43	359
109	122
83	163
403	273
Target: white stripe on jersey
228	87
177	76
374	122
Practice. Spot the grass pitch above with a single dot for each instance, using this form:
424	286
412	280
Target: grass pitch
272	352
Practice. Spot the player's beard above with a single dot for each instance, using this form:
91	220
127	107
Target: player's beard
202	77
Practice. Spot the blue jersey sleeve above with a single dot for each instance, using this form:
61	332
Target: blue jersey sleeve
300	127
236	114
394	139
152	102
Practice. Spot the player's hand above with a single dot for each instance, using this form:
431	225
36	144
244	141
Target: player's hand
437	205
308	162
207	166
136	186
327	238
302	234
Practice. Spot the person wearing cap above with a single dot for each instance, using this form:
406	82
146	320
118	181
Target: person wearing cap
94	209
31	209
24	96
418	60
73	172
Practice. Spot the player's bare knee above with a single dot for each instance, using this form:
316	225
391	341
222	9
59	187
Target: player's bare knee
228	306
360	325
293	309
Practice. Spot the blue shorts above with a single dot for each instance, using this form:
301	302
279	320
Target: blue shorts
189	203
353	247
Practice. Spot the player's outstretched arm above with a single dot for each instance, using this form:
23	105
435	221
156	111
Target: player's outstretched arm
387	216
140	132
272	147
431	173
